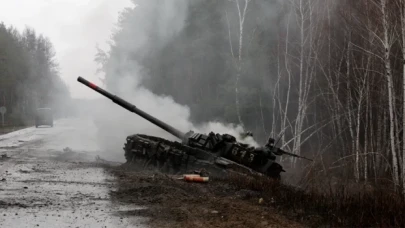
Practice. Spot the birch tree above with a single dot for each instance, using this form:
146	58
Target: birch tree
401	6
241	16
391	100
307	47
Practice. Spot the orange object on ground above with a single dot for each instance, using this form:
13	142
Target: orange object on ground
195	178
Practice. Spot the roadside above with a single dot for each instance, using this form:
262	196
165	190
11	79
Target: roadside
8	129
175	203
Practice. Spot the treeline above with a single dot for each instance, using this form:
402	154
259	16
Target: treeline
29	76
325	76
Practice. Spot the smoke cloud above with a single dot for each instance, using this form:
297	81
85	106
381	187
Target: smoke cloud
115	123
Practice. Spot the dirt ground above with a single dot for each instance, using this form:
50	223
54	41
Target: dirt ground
171	202
50	178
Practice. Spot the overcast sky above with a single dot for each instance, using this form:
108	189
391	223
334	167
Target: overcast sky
73	26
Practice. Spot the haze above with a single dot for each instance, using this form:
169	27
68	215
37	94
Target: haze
75	28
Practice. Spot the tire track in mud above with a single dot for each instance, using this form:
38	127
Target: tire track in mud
48	192
44	186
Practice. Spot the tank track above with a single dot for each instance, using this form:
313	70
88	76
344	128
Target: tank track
150	152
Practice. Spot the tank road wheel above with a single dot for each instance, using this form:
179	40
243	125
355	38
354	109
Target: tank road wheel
152	157
170	166
176	163
150	163
274	171
154	164
164	159
129	156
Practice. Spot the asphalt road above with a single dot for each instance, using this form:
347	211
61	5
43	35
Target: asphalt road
49	177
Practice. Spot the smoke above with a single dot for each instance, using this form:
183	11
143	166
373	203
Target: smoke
125	78
115	123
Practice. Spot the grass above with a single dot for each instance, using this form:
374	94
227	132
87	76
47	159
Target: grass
342	206
325	200
8	129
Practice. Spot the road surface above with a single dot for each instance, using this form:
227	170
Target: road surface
49	177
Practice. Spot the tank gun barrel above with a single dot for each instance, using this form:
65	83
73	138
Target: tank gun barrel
292	155
132	108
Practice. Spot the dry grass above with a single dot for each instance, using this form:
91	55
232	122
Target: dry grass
8	129
347	205
324	201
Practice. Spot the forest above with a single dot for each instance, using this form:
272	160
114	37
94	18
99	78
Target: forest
325	77
29	76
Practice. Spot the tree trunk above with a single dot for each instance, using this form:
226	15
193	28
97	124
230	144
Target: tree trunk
402	8
388	72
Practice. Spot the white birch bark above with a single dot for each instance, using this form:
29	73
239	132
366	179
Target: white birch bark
388	73
283	126
349	106
301	80
242	15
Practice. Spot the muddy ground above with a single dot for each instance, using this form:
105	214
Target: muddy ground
45	183
171	202
53	177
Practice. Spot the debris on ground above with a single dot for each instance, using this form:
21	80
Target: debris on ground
4	157
171	203
195	178
67	150
24	171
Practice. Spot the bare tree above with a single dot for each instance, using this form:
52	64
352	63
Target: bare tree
388	74
241	16
401	6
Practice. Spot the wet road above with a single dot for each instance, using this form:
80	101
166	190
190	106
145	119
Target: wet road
50	179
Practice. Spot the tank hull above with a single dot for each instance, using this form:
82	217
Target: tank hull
150	152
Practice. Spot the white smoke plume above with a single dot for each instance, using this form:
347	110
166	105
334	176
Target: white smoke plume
114	123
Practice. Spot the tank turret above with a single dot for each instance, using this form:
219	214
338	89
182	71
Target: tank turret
215	152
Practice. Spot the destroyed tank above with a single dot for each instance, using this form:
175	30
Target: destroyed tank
213	152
